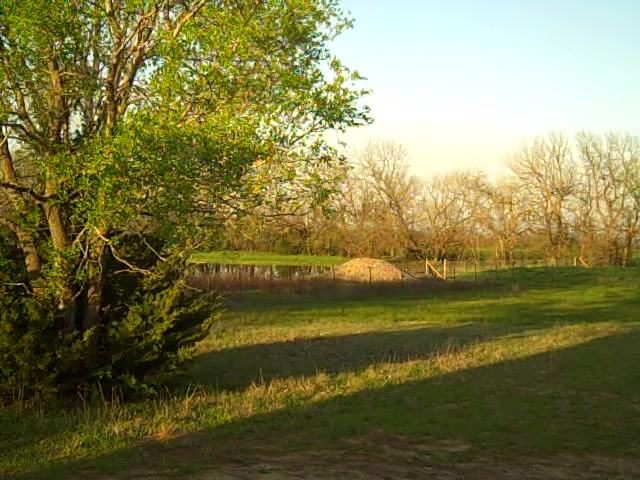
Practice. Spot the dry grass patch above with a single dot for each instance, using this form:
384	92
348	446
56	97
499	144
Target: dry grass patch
368	270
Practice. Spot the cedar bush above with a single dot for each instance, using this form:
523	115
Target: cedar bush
151	322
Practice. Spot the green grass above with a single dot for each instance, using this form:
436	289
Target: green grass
532	373
266	259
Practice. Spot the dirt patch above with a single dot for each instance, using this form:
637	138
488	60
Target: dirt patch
383	456
368	270
419	464
391	463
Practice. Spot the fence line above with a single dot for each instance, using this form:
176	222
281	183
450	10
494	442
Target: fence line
270	278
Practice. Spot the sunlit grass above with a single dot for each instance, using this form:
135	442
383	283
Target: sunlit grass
534	369
266	259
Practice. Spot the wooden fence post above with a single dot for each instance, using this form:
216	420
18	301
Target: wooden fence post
271	277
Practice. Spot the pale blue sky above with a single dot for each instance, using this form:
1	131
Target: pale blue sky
462	82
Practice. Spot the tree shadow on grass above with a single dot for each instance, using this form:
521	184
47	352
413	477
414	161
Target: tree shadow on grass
567	278
236	369
349	293
582	400
239	367
468	322
570	406
491	285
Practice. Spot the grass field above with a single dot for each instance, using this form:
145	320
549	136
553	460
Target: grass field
537	377
266	259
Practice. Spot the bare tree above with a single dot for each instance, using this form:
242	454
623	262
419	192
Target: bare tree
611	166
547	173
591	206
504	214
582	209
384	169
448	206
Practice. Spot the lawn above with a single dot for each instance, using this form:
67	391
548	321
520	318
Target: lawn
265	259
533	375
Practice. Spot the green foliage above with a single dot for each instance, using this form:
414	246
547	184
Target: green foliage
126	118
151	324
153	321
33	354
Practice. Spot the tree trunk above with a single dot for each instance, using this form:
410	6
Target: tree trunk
26	240
61	243
628	248
32	259
93	313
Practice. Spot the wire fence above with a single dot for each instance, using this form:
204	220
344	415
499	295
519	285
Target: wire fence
417	274
266	278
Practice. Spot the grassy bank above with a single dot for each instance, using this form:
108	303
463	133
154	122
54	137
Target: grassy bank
266	259
509	378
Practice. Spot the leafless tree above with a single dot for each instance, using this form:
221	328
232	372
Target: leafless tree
391	189
611	165
448	206
504	214
547	173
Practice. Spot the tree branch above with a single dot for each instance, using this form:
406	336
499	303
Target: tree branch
29	190
131	267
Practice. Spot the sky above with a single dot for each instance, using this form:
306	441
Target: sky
462	83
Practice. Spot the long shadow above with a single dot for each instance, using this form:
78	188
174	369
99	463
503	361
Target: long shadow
490	285
558	278
239	367
345	294
507	304
563	407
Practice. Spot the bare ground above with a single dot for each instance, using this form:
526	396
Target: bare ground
383	457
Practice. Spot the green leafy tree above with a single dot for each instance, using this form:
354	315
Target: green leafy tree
127	126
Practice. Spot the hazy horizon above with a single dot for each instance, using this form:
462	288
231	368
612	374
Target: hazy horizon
462	83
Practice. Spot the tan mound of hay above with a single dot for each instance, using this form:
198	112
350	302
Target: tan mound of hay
368	269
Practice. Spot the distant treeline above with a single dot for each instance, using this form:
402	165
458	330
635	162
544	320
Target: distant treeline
566	197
